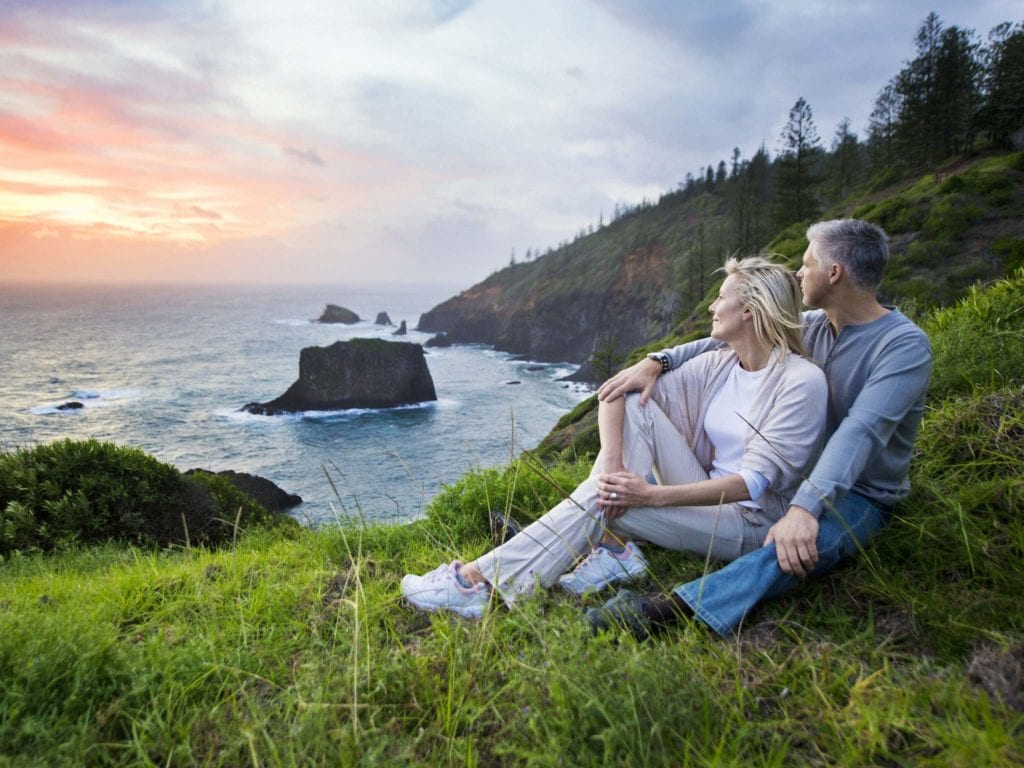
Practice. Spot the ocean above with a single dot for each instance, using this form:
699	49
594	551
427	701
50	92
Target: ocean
168	368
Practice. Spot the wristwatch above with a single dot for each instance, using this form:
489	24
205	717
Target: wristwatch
662	358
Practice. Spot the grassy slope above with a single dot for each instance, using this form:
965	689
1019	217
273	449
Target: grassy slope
291	648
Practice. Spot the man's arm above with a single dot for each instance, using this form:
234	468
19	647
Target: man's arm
892	389
642	376
896	383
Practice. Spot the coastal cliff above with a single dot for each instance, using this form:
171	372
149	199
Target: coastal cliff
610	290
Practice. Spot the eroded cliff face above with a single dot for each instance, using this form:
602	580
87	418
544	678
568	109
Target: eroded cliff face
560	312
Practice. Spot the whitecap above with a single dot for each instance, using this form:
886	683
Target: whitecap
347	413
293	321
88	398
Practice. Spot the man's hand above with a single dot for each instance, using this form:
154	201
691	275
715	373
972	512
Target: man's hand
796	541
637	378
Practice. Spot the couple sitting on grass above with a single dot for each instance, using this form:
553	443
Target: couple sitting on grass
779	444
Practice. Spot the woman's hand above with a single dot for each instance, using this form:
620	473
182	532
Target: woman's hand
637	378
618	491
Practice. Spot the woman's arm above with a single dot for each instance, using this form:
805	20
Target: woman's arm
634	491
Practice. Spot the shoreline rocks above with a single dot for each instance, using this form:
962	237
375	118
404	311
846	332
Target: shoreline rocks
265	492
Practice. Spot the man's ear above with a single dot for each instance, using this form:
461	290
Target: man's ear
835	271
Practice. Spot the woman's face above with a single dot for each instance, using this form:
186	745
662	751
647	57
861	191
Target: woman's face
730	320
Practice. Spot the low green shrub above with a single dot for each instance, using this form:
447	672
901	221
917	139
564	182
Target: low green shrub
929	253
899	215
950	216
83	491
1010	252
979	342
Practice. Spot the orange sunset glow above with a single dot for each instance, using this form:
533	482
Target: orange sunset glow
250	141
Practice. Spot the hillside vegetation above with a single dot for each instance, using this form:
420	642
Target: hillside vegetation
291	647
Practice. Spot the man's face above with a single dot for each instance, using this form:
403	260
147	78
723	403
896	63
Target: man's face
814	282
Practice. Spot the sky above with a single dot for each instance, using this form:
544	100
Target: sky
396	141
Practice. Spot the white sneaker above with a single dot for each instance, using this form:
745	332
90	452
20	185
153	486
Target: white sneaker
601	568
439	590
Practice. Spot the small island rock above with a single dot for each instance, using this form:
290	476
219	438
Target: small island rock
360	373
334	314
71	405
441	340
383	319
401	330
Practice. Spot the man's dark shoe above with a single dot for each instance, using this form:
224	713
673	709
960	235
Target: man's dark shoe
626	611
503	527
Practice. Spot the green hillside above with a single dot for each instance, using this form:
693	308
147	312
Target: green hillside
291	647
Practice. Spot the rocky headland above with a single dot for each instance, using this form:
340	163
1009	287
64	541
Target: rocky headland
561	307
360	373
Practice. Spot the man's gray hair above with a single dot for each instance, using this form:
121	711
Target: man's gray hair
861	248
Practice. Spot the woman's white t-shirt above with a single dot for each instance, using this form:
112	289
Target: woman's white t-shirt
726	429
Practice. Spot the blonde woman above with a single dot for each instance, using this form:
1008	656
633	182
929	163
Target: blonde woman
727	435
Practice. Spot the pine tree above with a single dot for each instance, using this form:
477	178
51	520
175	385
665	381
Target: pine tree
844	164
797	161
1002	114
882	127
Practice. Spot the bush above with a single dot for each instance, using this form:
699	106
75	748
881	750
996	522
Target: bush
898	215
950	216
84	491
1010	252
980	341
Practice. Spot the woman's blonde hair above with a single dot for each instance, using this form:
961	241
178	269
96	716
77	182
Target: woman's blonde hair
772	294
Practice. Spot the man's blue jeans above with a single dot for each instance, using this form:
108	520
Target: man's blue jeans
724	598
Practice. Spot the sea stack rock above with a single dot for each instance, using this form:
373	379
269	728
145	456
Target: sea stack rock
361	373
402	330
335	314
383	319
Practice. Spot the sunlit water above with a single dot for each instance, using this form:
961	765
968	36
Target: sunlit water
166	369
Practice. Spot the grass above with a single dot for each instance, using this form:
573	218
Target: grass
293	648
290	647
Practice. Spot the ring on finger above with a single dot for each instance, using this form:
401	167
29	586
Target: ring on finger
615	496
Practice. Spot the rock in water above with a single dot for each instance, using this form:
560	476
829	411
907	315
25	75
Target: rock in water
402	330
265	492
383	319
71	405
335	314
441	340
361	373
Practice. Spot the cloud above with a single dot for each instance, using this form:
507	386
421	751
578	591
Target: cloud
456	130
203	213
310	156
